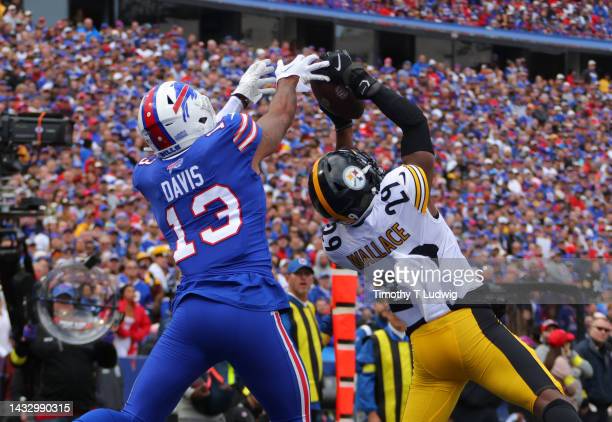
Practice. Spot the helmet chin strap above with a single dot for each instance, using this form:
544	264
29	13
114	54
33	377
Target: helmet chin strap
184	146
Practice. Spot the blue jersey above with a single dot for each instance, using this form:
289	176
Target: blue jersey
211	207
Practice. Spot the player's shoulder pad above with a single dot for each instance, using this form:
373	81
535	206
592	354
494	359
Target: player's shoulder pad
414	181
241	127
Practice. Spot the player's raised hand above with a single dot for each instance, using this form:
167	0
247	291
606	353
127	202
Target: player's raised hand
252	83
303	67
339	61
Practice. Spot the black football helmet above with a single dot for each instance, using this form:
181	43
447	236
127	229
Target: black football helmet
342	185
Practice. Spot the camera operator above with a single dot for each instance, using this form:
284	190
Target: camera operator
62	372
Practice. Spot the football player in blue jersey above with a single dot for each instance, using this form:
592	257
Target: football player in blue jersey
207	197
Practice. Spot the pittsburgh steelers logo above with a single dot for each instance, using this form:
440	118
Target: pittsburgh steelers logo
354	178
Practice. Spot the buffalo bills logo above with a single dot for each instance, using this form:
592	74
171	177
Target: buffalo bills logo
174	166
184	93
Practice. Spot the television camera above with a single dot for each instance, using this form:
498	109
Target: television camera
22	135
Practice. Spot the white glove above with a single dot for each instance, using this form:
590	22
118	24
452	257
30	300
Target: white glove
253	80
303	67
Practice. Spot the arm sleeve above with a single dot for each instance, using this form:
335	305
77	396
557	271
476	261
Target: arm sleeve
408	117
366	381
233	105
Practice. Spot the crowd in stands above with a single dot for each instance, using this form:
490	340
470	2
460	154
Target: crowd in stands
585	18
522	164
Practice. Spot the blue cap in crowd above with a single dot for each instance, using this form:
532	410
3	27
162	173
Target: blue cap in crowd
63	289
298	264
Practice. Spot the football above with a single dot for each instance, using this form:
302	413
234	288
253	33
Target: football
338	99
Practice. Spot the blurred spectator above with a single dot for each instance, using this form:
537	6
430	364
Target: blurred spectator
584	18
322	265
589	75
596	349
11	16
387	66
322	288
566	365
61	371
160	272
546	327
131	276
304	330
384	372
135	323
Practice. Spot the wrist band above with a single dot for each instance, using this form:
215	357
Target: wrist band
244	100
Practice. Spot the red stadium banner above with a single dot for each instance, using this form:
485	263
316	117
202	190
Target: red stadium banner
344	296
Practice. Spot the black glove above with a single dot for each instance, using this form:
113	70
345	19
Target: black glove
361	83
339	61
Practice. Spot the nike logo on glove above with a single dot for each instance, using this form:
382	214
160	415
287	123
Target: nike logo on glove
339	63
367	85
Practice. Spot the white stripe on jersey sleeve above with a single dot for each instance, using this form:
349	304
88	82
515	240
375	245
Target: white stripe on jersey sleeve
243	125
250	138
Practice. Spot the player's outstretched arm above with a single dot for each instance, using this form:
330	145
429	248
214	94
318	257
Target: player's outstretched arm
339	61
344	138
250	89
276	121
416	146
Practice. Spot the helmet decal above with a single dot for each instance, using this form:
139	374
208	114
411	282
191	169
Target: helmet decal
184	93
354	178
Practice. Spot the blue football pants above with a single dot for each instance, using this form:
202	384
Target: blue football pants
203	332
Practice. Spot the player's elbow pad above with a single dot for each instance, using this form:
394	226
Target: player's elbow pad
408	117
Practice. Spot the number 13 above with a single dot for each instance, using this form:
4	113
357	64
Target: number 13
208	235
